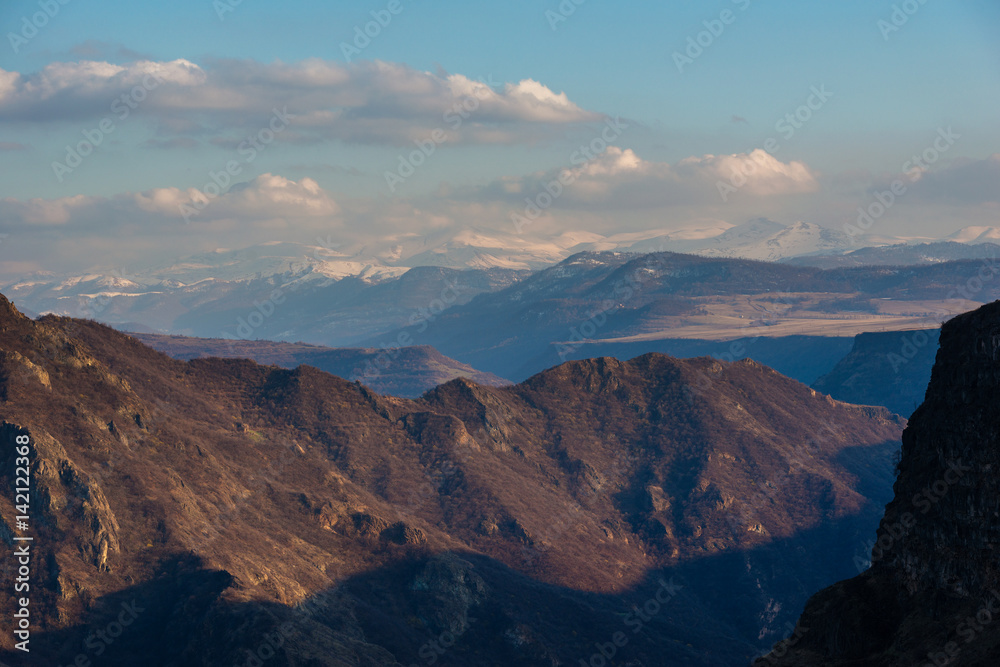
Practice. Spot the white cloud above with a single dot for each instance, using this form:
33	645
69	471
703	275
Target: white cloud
619	179
364	102
267	198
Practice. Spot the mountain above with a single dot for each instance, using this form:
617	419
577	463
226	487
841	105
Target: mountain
931	593
901	255
607	301
890	368
976	235
309	306
803	358
769	241
406	372
118	294
217	512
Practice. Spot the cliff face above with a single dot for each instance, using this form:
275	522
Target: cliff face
225	502
884	368
932	595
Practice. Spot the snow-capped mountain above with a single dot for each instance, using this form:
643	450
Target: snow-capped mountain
223	273
769	241
974	235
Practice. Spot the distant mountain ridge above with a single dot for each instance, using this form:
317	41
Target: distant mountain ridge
605	299
489	250
407	372
889	368
901	255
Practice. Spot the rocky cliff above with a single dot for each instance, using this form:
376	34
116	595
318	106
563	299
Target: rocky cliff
932	595
889	368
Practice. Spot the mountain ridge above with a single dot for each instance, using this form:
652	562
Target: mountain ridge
576	489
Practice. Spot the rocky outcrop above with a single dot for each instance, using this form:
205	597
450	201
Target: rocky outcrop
931	595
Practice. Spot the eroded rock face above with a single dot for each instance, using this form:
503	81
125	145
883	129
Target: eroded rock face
936	560
514	525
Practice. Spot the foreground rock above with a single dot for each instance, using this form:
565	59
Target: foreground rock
932	595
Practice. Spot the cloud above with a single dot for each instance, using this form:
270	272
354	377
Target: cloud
620	179
370	102
6	146
88	89
266	200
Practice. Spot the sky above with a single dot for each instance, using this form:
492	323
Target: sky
136	132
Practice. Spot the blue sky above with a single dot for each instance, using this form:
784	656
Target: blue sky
891	93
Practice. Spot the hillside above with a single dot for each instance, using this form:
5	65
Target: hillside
234	502
407	372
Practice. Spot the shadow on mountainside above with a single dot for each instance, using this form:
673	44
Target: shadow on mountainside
451	608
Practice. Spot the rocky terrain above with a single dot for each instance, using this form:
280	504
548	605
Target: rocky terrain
932	594
219	512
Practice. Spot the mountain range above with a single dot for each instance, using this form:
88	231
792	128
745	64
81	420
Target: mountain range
619	304
207	275
217	511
